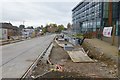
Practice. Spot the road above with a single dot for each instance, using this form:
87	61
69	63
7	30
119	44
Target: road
17	57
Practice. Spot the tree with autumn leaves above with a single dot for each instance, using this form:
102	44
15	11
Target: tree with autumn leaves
53	28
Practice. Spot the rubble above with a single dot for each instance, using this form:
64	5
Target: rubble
104	65
111	72
115	66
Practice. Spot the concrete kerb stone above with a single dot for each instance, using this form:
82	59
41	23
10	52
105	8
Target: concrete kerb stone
9	42
47	54
29	71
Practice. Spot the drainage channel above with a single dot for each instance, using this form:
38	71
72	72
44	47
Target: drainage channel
29	71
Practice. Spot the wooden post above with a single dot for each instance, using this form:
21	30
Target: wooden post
113	35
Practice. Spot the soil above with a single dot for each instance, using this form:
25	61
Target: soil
40	69
57	74
60	56
102	58
70	69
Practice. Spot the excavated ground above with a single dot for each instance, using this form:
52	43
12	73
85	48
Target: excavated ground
70	69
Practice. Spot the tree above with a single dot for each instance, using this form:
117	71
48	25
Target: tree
30	27
21	27
37	29
68	26
53	25
41	26
44	30
60	28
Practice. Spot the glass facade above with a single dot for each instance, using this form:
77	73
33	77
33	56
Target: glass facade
94	15
88	13
118	29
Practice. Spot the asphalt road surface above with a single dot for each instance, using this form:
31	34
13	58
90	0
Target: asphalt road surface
17	57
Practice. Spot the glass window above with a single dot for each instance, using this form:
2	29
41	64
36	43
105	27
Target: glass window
106	7
94	24
98	23
94	29
117	28
91	24
105	14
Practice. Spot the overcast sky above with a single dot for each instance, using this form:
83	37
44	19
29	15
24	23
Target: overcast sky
37	12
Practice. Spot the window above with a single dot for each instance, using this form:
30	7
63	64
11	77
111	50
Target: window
94	29
106	5
91	24
94	24
105	14
98	23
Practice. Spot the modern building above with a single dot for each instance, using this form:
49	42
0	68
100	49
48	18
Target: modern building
119	26
90	16
94	16
119	19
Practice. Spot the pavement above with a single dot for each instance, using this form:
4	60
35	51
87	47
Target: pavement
5	42
104	47
17	57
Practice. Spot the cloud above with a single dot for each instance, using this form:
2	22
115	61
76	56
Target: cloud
36	13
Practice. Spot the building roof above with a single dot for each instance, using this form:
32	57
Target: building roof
83	2
78	5
15	27
8	26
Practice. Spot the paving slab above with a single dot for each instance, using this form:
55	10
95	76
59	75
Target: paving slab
79	56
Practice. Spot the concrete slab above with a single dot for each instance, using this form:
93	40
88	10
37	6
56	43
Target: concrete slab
68	47
79	56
